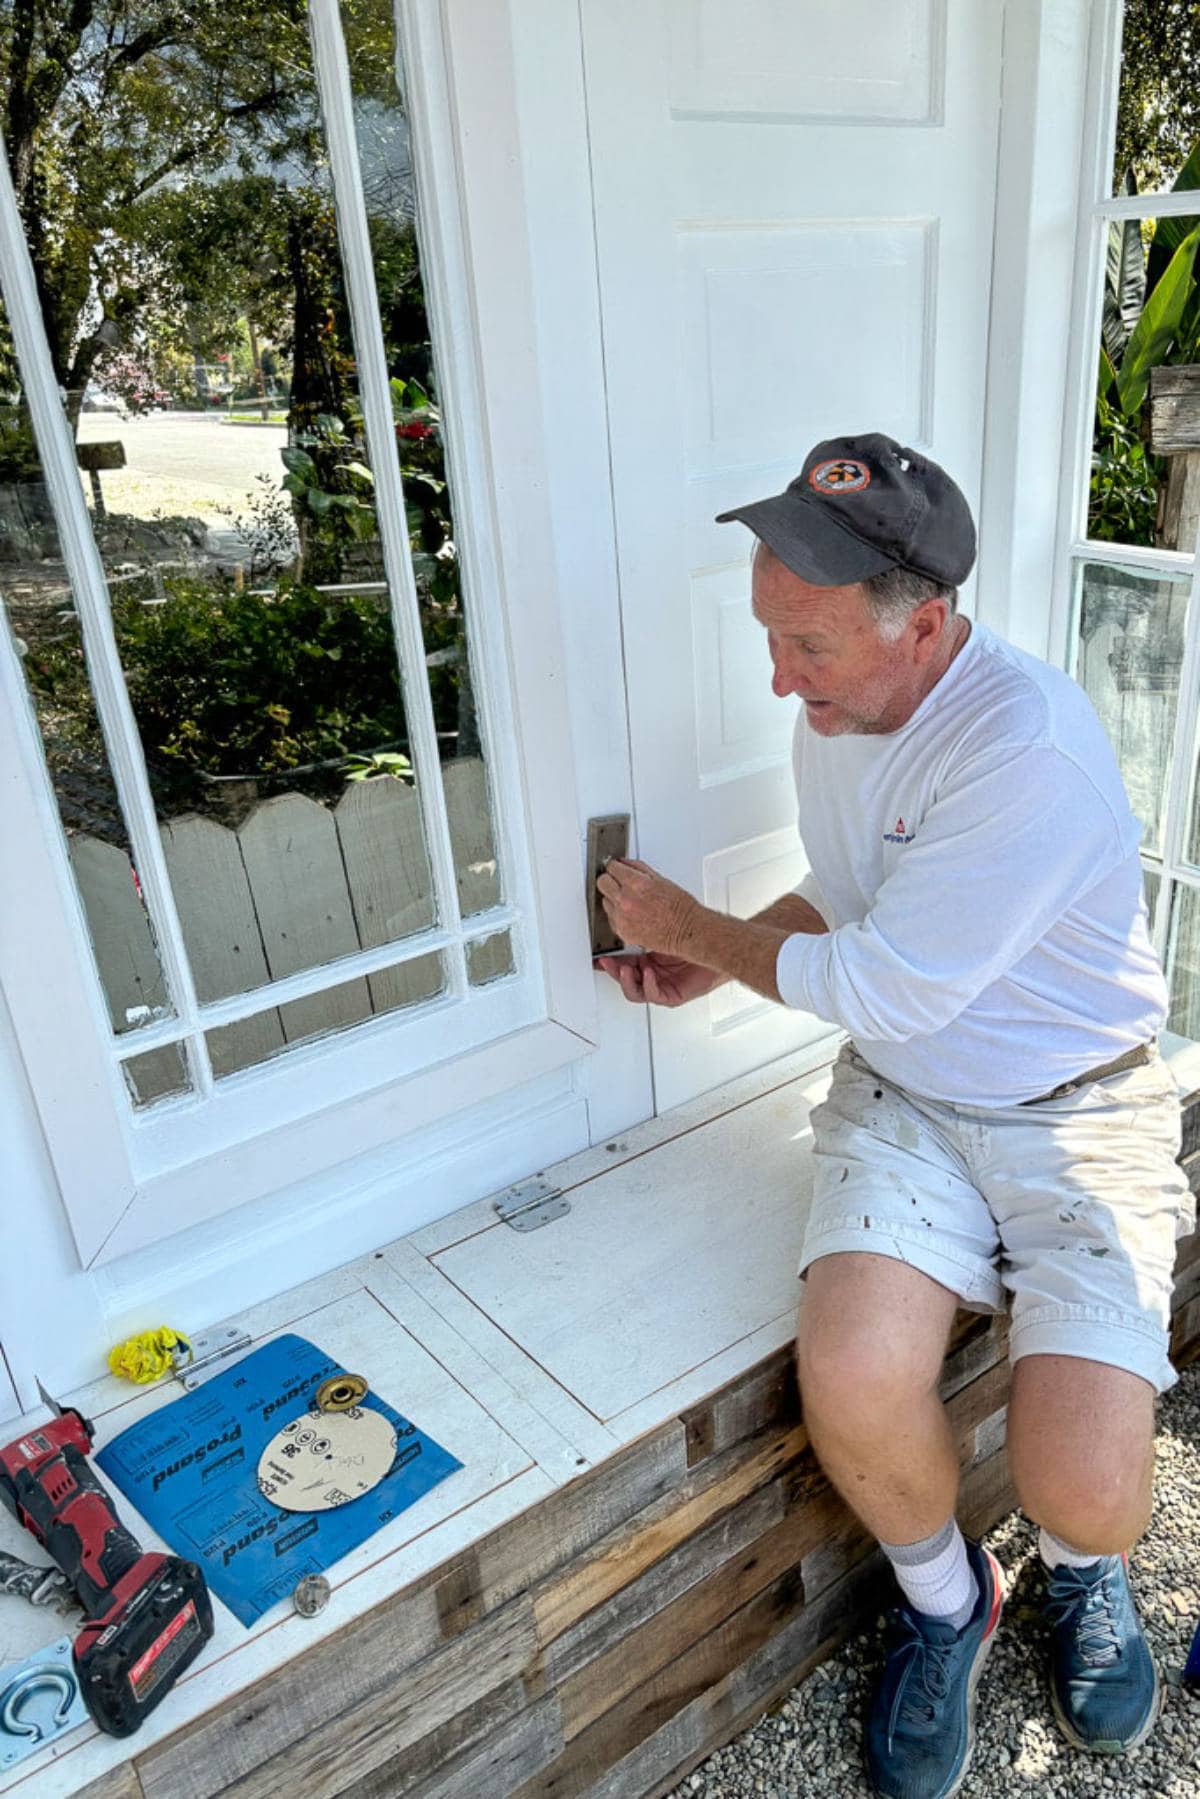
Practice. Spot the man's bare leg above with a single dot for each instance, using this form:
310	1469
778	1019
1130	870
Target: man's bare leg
870	1345
1081	1450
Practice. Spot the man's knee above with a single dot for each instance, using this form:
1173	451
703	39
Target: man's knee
871	1339
1081	1451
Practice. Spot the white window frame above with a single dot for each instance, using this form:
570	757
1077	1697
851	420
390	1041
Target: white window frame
128	1180
1097	207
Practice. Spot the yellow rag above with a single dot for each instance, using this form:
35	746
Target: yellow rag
148	1355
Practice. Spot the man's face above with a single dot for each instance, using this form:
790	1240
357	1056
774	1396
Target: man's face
826	648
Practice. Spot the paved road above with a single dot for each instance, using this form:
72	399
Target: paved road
189	464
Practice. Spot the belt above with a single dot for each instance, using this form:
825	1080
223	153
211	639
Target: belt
1133	1058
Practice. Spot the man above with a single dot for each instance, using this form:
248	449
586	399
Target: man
1000	1127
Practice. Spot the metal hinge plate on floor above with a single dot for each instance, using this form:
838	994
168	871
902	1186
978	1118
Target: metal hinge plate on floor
209	1351
531	1204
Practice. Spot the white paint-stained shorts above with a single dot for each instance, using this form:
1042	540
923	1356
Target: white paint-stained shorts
1070	1208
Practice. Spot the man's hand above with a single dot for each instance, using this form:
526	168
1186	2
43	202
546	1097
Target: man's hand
659	980
686	949
645	908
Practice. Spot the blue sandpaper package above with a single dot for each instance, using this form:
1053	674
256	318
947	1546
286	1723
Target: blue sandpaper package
191	1469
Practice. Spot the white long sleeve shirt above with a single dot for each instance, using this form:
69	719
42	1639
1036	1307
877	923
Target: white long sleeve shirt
979	873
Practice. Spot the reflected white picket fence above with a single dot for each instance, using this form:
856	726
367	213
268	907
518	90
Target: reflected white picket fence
297	884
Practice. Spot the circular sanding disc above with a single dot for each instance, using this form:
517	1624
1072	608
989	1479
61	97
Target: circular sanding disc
326	1459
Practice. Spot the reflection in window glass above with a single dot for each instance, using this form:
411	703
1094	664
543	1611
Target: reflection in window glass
1184	963
40	609
200	333
489	958
1158	105
160	1074
382	135
1131	633
1145	480
268	1034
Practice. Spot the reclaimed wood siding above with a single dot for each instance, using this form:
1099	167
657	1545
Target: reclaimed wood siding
604	1642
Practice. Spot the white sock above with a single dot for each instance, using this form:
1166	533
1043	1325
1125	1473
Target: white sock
935	1575
1057	1554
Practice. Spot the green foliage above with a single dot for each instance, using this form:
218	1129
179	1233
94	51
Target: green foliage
231	682
1158	114
1151	319
385	765
1123	495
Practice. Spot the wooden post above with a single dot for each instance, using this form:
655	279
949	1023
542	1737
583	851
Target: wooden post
1174	432
93	457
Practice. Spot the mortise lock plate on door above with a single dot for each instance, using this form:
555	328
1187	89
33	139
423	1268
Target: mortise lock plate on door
606	838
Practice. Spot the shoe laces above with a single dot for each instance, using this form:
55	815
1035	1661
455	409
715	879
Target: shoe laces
1083	1599
924	1681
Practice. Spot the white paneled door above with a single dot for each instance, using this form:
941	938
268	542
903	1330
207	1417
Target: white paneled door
816	260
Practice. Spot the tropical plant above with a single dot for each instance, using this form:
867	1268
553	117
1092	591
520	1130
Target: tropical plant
1151	318
229	682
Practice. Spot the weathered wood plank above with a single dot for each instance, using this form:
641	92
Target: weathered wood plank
445	1748
663	1760
339	1710
696	1557
633	1661
1185	1333
753	1402
118	1783
642	1540
472	841
589	1756
220	930
565	1526
120	930
383	848
976	1351
294	864
1173	408
519	1751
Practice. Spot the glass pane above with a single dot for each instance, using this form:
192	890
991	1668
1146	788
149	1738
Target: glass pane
268	1034
160	1074
202	338
38	603
385	159
1131	631
1183	963
490	958
1158	105
1145	475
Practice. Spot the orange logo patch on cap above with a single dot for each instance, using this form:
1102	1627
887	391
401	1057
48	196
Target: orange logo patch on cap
841	476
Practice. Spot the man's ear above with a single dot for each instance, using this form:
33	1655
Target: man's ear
930	620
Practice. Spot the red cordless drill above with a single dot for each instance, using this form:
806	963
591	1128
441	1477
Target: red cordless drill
148	1615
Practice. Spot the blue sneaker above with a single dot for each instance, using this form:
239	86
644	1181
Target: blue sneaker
921	1730
1102	1681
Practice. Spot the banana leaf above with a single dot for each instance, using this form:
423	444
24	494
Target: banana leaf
1156	331
1170	233
1124	286
1107	374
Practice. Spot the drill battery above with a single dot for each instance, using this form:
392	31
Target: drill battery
148	1615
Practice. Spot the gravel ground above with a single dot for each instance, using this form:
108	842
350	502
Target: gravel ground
812	1742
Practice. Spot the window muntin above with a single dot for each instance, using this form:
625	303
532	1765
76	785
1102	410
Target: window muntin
323	917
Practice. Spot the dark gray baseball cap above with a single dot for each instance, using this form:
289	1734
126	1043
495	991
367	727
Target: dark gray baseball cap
861	505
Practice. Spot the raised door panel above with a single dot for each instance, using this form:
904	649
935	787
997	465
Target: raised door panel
794	212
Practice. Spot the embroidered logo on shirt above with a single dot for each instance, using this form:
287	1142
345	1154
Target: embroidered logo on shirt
900	834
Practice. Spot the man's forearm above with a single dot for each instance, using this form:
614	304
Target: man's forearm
746	949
